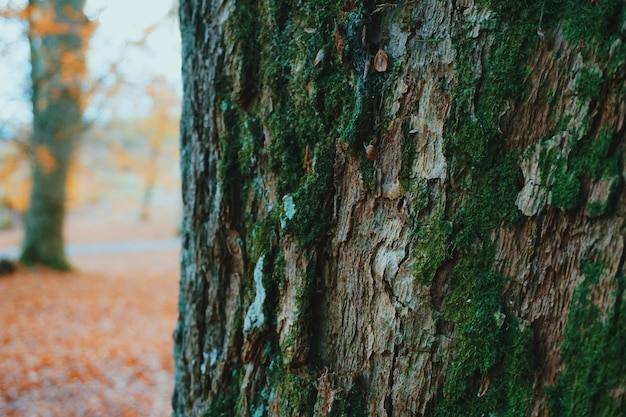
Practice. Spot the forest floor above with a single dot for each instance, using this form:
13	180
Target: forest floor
96	341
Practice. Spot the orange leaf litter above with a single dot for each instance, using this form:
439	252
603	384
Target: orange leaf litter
95	342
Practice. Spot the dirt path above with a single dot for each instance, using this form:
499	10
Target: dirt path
98	341
104	248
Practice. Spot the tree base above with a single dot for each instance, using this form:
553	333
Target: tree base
31	258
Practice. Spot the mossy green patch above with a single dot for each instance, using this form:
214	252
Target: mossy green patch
313	207
492	371
593	24
228	403
294	389
593	381
229	170
566	193
604	203
433	247
243	26
505	390
492	368
289	100
251	145
491	346
315	105
588	84
591	158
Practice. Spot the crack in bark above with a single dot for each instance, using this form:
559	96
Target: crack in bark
389	397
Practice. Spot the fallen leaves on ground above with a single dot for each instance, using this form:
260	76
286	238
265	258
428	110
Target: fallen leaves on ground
95	342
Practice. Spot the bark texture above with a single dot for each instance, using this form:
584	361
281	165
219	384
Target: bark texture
396	209
59	34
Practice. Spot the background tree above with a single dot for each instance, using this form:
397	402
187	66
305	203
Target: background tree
158	128
411	208
59	33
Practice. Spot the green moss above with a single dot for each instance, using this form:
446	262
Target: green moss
279	107
593	24
368	173
589	159
251	145
314	106
599	157
588	84
505	390
566	192
312	204
491	372
596	209
473	303
295	389
590	24
489	344
229	170
603	206
592	383
243	26
433	247
228	403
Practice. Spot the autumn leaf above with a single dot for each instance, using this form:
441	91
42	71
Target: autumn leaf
44	23
9	166
45	160
71	65
22	13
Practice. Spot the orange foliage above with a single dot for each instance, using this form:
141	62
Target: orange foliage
86	30
122	156
45	160
20	197
72	65
9	166
73	194
44	22
96	342
13	13
15	183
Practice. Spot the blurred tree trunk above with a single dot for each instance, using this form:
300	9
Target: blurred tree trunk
395	209
150	181
59	33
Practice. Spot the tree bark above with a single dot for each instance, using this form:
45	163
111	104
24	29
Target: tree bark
59	34
395	209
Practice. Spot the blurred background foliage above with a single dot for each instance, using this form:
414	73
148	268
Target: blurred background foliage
127	157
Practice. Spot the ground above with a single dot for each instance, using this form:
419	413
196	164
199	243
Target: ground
96	341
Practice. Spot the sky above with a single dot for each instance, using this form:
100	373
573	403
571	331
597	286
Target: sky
120	23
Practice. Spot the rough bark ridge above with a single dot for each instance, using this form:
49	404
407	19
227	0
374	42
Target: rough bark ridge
442	237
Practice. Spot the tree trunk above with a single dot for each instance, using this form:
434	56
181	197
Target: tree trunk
59	34
396	209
